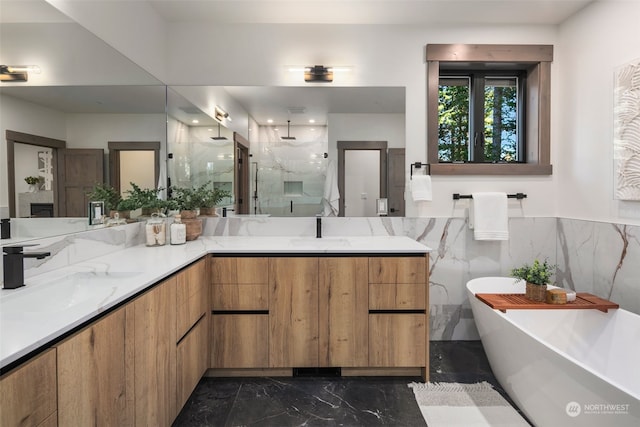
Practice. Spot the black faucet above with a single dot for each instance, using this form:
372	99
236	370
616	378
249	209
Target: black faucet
318	226
13	264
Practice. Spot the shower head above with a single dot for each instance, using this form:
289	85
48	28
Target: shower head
219	138
288	137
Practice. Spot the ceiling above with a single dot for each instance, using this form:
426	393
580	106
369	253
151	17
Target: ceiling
405	12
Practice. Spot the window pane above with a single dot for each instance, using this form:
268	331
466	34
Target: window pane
500	119
453	119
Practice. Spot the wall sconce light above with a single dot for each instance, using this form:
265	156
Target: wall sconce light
17	73
318	74
220	114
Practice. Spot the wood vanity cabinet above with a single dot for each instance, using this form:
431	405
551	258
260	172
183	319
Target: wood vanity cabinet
151	339
91	375
320	311
398	311
240	312
28	393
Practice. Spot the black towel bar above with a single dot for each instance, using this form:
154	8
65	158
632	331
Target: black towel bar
519	196
419	165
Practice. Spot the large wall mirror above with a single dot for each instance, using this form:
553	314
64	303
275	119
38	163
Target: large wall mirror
295	166
71	137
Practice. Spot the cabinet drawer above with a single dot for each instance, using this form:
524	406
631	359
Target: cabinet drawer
397	270
400	296
29	393
240	341
192	360
397	340
191	297
240	297
239	270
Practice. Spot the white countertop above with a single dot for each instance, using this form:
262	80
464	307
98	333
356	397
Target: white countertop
54	303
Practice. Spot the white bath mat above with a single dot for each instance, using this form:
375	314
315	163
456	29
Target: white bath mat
468	405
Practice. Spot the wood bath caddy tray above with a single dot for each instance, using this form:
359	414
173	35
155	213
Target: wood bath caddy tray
504	302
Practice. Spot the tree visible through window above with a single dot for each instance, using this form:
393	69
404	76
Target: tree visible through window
478	118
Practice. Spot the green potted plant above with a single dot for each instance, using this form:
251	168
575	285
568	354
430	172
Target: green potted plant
537	276
209	198
147	199
187	201
107	194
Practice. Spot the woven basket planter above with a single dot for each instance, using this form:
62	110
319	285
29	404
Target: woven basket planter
536	292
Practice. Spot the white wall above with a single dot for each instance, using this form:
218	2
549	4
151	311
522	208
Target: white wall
592	44
67	54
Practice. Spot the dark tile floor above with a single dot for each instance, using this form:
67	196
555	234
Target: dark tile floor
325	401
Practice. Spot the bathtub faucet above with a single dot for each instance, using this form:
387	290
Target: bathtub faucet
13	264
318	226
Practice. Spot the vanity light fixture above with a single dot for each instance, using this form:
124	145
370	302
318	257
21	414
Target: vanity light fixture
220	114
17	73
318	74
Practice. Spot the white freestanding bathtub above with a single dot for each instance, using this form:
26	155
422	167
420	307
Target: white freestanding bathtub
562	367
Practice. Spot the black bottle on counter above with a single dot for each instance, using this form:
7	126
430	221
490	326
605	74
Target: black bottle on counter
5	233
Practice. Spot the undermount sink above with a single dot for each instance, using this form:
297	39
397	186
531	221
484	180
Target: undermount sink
65	293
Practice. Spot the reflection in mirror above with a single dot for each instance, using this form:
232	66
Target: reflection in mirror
64	121
293	133
201	150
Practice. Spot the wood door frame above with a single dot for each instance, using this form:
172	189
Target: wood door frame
115	147
241	192
14	137
381	146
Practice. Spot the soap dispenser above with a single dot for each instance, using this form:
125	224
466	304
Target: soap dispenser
178	231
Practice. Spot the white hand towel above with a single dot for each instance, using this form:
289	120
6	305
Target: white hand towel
331	196
488	216
421	188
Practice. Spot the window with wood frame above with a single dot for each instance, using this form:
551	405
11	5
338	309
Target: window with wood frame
488	109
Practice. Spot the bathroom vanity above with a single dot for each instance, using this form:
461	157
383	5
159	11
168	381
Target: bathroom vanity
129	345
363	314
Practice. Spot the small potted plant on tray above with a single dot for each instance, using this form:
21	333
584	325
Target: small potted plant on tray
537	276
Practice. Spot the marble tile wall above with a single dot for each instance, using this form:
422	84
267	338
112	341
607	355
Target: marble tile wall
73	248
602	259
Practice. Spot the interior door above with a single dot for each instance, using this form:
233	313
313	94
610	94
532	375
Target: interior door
78	171
396	184
361	164
362	182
